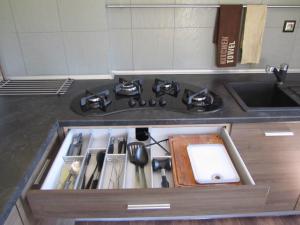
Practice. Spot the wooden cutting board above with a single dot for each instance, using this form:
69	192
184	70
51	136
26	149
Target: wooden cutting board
182	170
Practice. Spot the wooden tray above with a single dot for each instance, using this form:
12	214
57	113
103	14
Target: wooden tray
182	171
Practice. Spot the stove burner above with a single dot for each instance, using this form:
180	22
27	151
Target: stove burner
161	87
99	100
128	88
201	101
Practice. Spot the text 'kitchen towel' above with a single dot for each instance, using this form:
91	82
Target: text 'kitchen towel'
253	33
227	35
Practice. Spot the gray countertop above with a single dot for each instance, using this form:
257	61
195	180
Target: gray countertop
26	122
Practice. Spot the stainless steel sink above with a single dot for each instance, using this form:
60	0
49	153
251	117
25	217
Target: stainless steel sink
263	96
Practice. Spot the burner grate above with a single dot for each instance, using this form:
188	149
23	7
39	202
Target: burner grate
35	87
98	100
128	88
162	87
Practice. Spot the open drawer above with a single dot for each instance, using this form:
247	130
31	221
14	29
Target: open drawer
119	191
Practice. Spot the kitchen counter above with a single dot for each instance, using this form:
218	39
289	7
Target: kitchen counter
27	123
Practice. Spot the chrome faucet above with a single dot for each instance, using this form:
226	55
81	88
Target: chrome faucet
280	73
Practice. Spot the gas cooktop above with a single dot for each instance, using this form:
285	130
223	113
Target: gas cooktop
141	94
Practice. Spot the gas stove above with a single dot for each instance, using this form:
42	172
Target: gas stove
138	94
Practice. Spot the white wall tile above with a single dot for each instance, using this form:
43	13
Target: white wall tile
119	18
193	48
277	16
79	15
197	1
277	47
6	18
11	59
152	1
295	58
121	49
152	17
117	1
195	17
242	1
87	52
153	48
36	15
281	2
43	53
233	1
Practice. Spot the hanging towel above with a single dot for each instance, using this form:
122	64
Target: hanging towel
253	33
227	34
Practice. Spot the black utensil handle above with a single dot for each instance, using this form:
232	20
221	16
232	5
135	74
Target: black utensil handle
88	158
110	149
143	177
120	146
86	163
164	182
125	145
91	178
95	184
83	182
159	144
100	164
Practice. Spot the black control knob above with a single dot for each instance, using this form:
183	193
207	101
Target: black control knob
131	102
152	102
162	102
142	102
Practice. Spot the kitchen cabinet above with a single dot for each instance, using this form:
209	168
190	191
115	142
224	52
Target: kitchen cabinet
271	152
14	218
128	201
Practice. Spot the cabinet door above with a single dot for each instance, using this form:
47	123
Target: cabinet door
271	152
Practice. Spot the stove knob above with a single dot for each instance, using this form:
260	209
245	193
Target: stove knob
132	102
142	102
152	102
162	102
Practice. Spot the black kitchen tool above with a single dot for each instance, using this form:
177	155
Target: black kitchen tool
120	145
156	142
93	180
141	134
75	146
111	146
162	165
138	155
125	145
86	163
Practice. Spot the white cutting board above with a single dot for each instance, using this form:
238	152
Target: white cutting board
211	164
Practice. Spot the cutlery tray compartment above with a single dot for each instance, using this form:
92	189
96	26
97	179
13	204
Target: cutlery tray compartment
120	192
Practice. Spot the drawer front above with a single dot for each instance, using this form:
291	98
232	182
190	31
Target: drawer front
147	202
271	153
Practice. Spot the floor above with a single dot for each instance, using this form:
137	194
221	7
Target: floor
287	220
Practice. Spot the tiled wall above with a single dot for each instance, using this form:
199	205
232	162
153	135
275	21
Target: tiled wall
57	37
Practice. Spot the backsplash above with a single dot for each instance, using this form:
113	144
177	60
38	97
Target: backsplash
70	37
